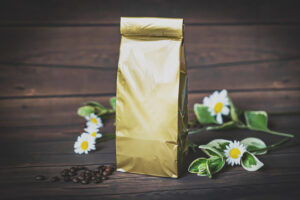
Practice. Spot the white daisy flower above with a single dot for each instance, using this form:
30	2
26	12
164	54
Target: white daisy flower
234	151
218	104
93	120
93	131
85	143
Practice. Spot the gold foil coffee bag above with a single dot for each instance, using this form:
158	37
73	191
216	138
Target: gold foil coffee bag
151	112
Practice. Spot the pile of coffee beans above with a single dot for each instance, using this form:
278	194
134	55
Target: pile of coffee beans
81	174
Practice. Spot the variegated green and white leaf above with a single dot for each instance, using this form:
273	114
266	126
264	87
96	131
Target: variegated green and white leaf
210	151
254	145
250	162
219	144
198	165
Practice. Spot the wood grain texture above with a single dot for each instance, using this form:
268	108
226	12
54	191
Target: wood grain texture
44	81
34	12
62	110
137	186
99	46
55	55
56	143
20	165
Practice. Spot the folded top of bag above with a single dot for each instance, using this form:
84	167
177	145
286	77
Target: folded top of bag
148	26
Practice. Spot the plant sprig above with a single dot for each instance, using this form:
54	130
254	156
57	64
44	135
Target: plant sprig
217	157
254	120
97	108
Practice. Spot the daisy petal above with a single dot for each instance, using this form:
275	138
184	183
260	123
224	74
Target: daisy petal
223	93
219	118
206	101
225	110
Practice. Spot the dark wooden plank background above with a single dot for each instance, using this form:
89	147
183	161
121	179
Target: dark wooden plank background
55	55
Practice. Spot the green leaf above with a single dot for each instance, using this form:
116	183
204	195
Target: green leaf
215	164
206	167
250	162
113	103
85	111
99	108
210	151
208	173
99	111
198	165
227	125
233	112
258	121
219	144
95	104
204	173
254	145
203	115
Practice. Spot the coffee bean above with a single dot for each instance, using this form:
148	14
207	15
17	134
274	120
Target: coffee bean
40	178
111	168
87	178
95	172
82	174
108	170
84	182
101	167
97	180
71	173
73	169
88	175
64	172
100	170
105	173
75	180
54	179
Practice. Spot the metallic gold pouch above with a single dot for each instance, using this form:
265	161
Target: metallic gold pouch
151	112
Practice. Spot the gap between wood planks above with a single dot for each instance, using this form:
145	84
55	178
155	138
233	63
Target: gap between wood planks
13	25
20	64
113	94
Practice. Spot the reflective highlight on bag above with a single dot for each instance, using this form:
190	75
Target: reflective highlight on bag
151	108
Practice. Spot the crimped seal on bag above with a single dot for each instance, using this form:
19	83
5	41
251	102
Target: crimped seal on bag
160	27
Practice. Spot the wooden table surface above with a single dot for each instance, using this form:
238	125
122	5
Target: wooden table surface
55	55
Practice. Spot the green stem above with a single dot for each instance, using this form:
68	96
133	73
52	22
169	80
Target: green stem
280	134
197	130
193	122
243	126
278	113
273	146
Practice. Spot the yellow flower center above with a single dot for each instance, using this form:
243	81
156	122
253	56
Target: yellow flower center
218	107
94	120
234	153
94	134
84	145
